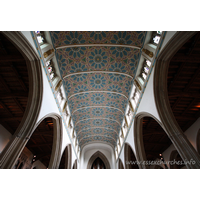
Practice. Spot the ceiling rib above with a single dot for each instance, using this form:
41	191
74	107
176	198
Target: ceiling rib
98	118
96	135
97	45
88	72
97	107
78	93
97	127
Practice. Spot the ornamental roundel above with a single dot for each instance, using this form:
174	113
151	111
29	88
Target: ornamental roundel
98	69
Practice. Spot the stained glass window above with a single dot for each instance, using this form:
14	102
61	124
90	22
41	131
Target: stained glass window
40	37
145	69
155	38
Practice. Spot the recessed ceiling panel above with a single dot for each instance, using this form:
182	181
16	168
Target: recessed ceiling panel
98	69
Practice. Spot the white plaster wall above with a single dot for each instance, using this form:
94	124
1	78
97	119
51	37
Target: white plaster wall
90	149
28	36
147	103
5	137
48	100
168	36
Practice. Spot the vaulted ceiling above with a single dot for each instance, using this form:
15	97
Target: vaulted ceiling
98	69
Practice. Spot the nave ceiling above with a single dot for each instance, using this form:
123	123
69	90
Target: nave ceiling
98	71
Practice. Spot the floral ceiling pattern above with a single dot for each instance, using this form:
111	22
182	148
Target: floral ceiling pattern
98	70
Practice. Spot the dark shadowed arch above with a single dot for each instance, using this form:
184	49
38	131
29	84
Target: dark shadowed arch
75	164
129	157
175	159
171	54
138	137
66	159
11	152
198	141
100	155
120	164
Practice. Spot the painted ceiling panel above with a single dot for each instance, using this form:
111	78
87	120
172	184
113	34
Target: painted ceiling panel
98	99
98	82
100	112
63	38
97	131
99	59
98	69
98	122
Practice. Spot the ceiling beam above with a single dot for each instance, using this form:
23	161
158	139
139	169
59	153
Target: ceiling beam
193	45
196	75
11	58
5	119
39	145
183	94
19	78
176	75
19	105
15	94
186	59
5	107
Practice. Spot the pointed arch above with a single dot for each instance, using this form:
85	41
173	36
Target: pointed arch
11	152
120	164
138	137
175	132
66	158
75	164
57	139
100	155
129	157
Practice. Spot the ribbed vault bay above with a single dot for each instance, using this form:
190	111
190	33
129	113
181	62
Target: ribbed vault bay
98	69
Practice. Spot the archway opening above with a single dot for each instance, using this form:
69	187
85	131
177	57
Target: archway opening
176	161
98	164
75	164
183	83
155	142
65	162
130	159
38	150
14	89
100	155
120	164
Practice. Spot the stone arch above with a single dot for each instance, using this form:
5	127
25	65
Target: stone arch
57	139
138	137
175	133
198	141
120	164
14	147
174	158
129	156
100	155
66	158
